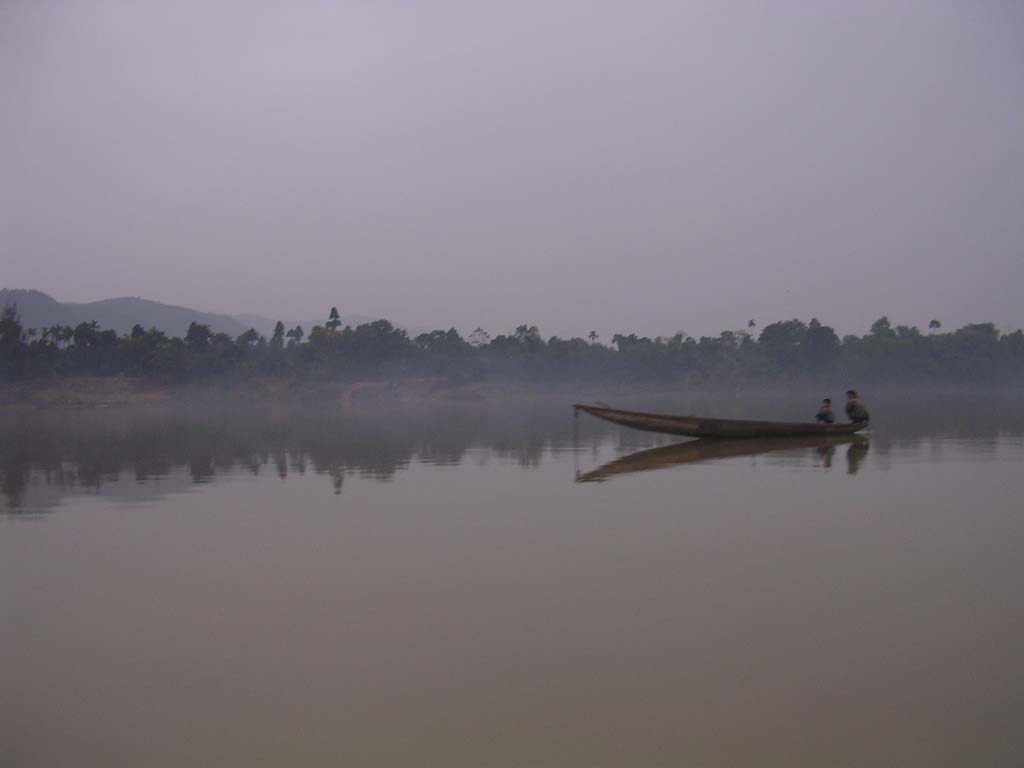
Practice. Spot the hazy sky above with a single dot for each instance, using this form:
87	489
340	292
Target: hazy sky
648	166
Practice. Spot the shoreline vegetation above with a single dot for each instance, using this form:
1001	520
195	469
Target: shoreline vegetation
86	365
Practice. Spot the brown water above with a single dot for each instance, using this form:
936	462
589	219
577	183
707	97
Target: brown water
430	586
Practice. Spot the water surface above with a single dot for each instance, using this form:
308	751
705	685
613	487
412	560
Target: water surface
494	584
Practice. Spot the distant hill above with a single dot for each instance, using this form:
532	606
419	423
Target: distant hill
38	310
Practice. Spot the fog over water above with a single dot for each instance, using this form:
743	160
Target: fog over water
644	167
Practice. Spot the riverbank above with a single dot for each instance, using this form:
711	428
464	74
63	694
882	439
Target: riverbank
111	392
114	392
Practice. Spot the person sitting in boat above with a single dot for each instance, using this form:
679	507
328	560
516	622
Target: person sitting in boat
824	414
855	408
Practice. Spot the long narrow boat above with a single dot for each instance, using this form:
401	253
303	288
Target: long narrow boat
701	426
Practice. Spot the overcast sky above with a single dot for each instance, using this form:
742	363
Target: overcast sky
623	166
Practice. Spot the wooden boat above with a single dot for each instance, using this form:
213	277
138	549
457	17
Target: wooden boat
701	426
705	449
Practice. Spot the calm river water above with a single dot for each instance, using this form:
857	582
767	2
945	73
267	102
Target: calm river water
494	585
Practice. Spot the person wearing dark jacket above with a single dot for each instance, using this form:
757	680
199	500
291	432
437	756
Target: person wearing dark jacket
824	414
855	408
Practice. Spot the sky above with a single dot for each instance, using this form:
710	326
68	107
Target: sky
642	167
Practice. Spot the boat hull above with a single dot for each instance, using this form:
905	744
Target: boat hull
699	426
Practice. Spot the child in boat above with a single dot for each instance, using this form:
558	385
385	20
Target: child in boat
824	414
855	408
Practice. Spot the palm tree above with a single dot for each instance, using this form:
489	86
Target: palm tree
593	337
933	326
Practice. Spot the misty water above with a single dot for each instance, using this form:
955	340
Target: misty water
500	584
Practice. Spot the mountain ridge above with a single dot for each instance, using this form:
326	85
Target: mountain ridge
37	309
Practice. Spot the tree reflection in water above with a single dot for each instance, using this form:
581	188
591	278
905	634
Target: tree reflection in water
56	453
86	450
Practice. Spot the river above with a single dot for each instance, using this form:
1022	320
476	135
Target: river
500	584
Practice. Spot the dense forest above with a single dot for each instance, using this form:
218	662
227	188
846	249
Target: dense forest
785	352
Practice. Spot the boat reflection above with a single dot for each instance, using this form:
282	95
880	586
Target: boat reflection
709	449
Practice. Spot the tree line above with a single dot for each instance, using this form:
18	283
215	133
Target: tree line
789	351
